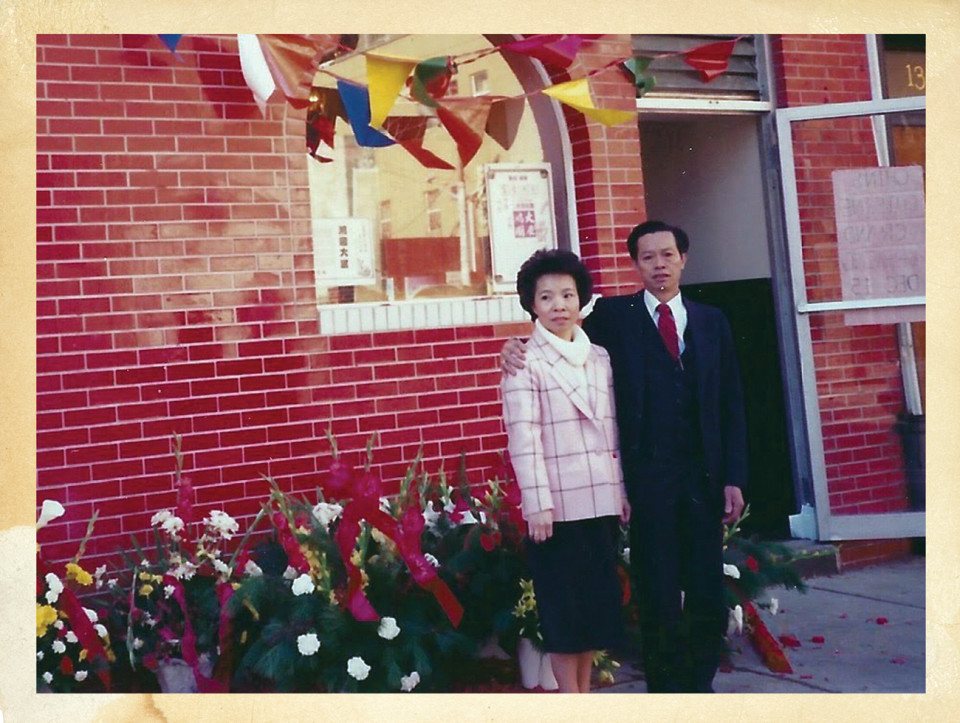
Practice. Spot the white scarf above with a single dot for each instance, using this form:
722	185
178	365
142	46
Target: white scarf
575	352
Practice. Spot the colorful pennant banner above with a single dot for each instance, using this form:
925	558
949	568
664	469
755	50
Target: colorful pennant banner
576	94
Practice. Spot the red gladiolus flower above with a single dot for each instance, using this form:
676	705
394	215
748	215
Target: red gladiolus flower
489	541
789	641
339	480
752	564
185	500
818	639
66	665
369	485
882	621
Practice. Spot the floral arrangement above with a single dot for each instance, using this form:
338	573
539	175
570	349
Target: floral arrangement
171	603
374	592
355	589
73	646
750	569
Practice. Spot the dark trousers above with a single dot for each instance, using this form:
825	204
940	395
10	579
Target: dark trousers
677	544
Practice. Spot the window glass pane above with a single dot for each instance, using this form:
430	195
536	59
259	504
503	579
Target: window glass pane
411	232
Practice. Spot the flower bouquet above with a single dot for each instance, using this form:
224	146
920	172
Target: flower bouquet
73	646
169	598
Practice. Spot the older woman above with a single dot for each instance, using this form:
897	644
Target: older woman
560	419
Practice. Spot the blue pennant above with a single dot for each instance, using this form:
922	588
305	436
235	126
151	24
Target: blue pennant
356	101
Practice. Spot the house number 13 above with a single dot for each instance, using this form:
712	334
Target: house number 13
915	77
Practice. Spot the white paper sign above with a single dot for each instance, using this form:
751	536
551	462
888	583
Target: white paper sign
343	252
521	217
880	240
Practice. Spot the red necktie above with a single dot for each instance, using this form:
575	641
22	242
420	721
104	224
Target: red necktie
668	330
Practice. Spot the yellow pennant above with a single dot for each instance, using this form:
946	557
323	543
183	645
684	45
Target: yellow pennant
385	77
576	94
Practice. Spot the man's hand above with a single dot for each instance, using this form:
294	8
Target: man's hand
625	512
732	504
540	526
512	356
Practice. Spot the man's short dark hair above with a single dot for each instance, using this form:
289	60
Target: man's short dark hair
683	243
552	261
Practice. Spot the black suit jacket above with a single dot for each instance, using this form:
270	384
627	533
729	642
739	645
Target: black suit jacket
615	324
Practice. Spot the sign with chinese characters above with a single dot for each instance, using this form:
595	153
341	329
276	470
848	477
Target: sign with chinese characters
343	252
521	217
880	240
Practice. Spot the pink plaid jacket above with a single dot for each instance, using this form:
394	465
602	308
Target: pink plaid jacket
563	438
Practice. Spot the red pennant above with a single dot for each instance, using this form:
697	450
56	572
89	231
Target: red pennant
408	132
504	120
555	50
711	60
465	121
293	60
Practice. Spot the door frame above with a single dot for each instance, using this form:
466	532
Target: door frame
830	526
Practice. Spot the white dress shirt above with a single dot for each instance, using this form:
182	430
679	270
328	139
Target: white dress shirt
676	306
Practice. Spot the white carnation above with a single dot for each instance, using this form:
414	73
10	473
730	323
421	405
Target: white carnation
731	570
252	569
357	668
388	629
308	644
303	585
326	512
409	682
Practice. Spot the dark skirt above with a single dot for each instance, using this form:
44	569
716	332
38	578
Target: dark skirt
577	587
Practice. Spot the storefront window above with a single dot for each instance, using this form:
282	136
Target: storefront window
412	232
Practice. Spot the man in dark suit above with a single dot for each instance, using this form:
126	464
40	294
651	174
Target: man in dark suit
683	448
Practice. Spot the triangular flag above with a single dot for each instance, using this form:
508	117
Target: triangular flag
356	100
636	68
293	62
171	41
430	80
555	50
504	120
255	70
325	108
711	60
576	94
408	131
385	78
465	120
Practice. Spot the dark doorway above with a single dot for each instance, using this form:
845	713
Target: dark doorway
748	304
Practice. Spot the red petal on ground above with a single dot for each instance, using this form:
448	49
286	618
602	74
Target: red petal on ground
898	661
818	639
882	621
789	641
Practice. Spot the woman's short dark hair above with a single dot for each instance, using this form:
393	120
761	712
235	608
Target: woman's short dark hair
552	261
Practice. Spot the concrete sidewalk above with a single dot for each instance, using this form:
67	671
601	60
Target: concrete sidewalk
872	622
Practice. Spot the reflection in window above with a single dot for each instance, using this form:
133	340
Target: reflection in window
410	231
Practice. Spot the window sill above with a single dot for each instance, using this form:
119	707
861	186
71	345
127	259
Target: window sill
419	314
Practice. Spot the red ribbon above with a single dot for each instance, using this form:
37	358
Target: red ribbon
84	630
407	539
188	643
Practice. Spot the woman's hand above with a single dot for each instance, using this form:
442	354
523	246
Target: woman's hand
540	526
625	511
512	356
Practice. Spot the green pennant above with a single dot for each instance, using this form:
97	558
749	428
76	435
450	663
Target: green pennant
637	67
430	80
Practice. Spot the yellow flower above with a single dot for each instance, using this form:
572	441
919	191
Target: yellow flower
355	558
46	616
145	590
75	572
83	654
606	676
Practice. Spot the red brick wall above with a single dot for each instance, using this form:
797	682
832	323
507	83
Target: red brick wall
175	294
606	168
857	367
